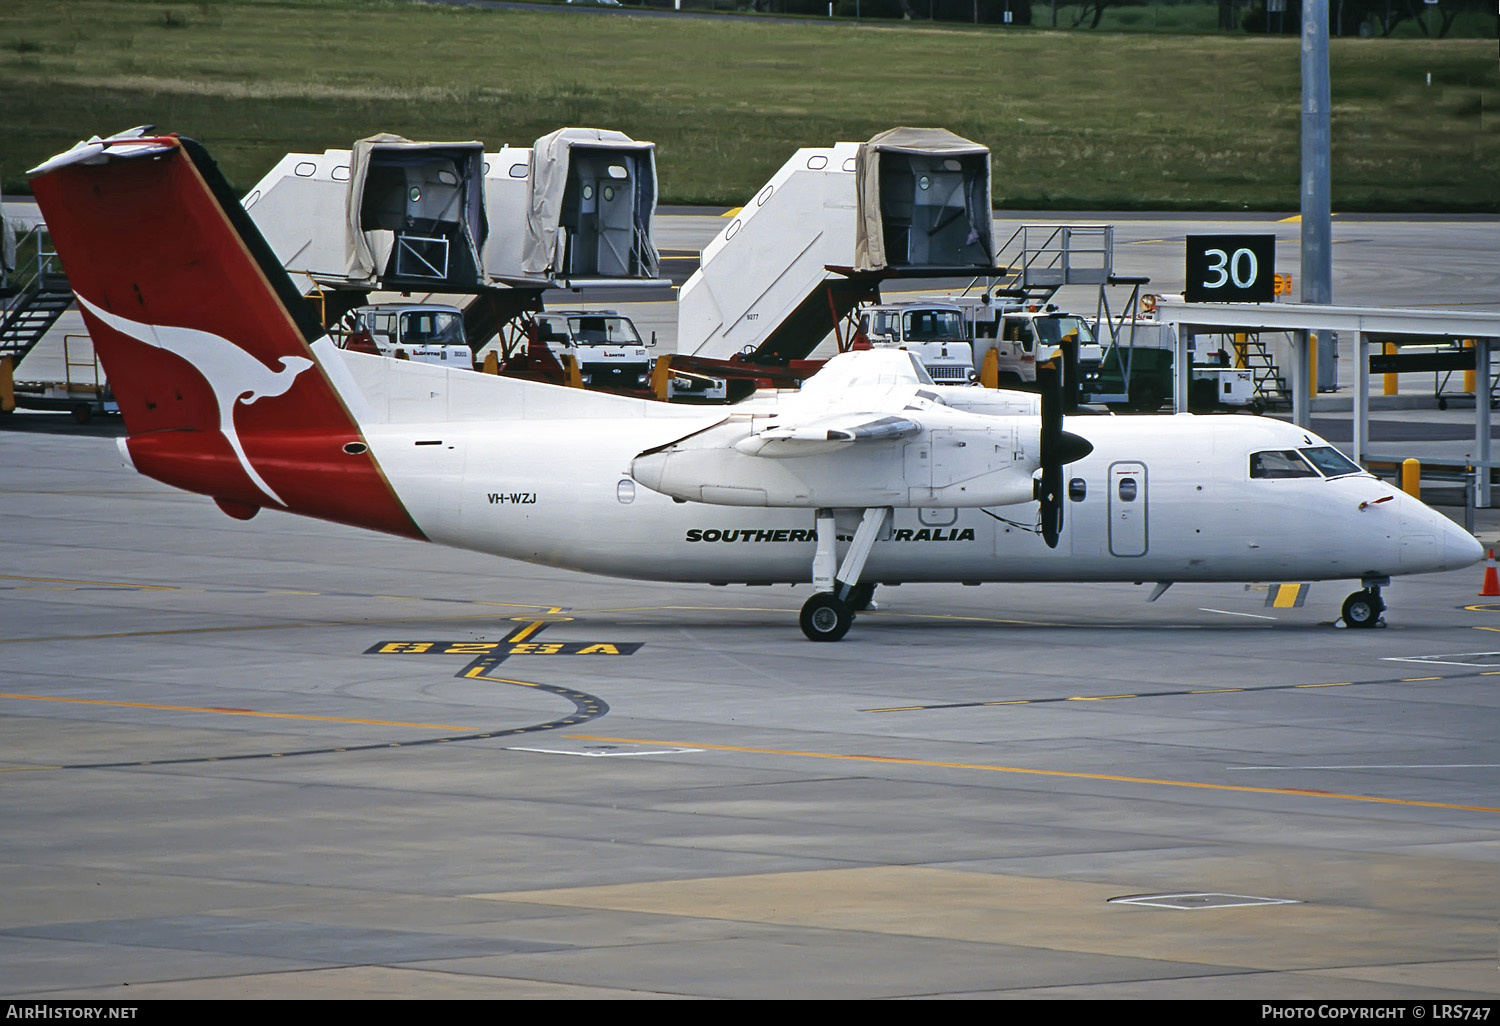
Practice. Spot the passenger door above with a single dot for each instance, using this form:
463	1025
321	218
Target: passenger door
1127	509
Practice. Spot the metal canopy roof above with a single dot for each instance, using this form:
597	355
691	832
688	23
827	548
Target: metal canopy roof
1356	322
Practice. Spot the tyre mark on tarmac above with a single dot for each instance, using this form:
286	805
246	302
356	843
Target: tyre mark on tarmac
586	707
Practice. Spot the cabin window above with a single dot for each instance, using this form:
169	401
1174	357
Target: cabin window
1330	461
1077	489
1128	489
1279	464
817	162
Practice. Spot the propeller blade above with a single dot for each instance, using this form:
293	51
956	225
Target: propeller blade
1059	448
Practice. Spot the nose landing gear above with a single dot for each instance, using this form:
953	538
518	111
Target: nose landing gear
1363	608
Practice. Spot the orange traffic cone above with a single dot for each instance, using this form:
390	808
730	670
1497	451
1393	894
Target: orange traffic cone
1491	579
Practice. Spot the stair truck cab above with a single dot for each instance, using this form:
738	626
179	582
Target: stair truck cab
420	332
608	349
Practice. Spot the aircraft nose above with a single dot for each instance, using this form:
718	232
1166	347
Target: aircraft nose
1460	548
1428	537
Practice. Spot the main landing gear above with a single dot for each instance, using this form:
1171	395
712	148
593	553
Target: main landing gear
1363	608
827	615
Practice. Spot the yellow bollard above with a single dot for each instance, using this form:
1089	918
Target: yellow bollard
1312	364
1240	343
989	370
1411	477
1469	374
491	363
661	377
1392	385
7	384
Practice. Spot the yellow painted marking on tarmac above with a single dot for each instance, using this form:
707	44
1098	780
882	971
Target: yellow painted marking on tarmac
1023	771
1487	628
96	584
1011	701
1339	684
1215	691
220	711
529	629
1097	698
1294	219
732	212
477	673
897	708
26	769
1286	596
1405	679
1489	673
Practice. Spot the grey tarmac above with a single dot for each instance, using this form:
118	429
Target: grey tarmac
228	768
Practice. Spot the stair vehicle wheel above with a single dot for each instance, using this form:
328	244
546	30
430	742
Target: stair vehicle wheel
1363	609
825	618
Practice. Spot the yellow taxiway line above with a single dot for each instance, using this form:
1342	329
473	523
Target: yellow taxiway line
222	711
1069	774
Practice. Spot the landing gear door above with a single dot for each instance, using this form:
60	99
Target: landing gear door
1127	509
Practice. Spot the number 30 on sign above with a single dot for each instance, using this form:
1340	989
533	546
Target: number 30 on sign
1230	268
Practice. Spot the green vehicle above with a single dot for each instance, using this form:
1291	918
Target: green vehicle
1146	351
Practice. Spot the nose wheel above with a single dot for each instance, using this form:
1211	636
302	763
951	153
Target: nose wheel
1363	608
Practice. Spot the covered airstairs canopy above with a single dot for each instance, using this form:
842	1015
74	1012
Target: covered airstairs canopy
415	212
924	200
593	195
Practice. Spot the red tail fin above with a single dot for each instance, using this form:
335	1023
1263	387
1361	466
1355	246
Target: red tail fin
204	339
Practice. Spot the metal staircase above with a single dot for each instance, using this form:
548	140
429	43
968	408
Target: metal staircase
36	295
1270	383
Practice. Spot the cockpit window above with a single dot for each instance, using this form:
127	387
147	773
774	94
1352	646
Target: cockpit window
1283	463
1330	461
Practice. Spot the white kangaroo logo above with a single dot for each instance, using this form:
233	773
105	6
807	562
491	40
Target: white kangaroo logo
233	374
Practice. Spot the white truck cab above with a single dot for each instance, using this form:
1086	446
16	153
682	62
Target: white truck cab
606	346
936	332
1015	332
421	332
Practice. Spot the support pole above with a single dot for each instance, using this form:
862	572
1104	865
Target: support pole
1483	355
1361	432
1301	404
1317	245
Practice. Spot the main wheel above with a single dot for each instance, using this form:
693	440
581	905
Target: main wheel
825	618
1363	609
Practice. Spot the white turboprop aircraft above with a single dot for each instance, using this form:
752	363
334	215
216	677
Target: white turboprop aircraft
870	474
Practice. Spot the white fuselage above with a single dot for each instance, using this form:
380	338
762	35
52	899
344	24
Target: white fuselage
543	474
